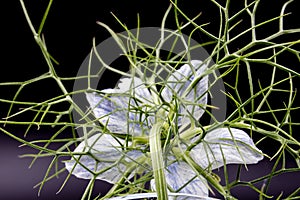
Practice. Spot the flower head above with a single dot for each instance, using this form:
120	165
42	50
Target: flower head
128	113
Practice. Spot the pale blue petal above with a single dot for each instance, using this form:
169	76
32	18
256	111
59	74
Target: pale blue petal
134	93
105	153
194	102
110	112
120	114
133	87
178	174
232	145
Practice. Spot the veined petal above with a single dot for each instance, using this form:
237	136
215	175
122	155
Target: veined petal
133	87
110	112
229	144
120	114
105	154
182	179
178	84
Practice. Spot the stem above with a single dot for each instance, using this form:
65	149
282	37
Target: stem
47	57
202	172
125	176
157	158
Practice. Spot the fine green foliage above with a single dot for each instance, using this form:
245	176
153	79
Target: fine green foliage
264	107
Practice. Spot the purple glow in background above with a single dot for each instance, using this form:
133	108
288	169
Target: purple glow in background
17	180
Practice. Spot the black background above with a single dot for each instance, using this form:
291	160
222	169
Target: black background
69	31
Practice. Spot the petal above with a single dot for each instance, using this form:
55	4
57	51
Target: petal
182	179
232	145
120	114
134	87
105	154
110	112
194	102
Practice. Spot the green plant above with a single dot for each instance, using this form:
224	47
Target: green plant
168	139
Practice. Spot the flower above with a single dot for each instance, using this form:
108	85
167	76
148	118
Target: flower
128	113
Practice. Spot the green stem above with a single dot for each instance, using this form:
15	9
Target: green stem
157	159
201	172
46	55
131	167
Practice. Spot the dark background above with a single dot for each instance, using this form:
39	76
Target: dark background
69	30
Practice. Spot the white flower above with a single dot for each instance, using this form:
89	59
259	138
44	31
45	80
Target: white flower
129	111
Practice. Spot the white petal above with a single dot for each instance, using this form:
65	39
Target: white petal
233	145
109	112
134	87
179	82
178	174
108	152
120	113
